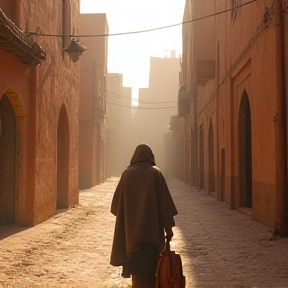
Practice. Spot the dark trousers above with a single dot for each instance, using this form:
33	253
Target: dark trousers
143	281
143	266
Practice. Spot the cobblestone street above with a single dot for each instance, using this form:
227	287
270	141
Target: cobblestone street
219	247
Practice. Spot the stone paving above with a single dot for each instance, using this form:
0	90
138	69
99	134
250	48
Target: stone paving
219	247
224	248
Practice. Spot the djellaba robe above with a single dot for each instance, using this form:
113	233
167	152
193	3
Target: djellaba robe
143	207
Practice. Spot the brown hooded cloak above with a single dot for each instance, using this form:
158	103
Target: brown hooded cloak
142	205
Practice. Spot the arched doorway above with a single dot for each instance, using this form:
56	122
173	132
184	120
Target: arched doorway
7	161
201	158
193	158
63	148
211	158
245	152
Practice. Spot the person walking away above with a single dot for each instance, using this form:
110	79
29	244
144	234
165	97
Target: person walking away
144	209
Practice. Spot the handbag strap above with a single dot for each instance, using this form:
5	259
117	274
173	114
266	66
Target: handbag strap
167	249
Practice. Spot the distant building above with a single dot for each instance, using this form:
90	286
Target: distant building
118	125
231	130
39	90
92	110
127	146
157	104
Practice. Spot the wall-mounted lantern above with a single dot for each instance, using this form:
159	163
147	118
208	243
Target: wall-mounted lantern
75	49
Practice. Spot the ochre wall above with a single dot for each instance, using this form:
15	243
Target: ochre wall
93	69
41	92
245	52
57	85
251	72
18	84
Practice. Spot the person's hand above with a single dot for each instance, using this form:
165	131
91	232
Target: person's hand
169	234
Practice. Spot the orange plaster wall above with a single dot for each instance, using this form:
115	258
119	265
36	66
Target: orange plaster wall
19	80
253	73
93	64
245	61
57	84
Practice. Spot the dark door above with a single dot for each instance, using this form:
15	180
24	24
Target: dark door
211	159
245	152
201	158
62	159
7	161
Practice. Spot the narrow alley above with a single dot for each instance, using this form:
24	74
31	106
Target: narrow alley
219	247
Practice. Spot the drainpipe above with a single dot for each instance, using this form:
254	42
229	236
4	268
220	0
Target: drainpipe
280	121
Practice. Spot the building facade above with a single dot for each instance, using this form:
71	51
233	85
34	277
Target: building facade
157	103
232	105
92	110
38	110
119	125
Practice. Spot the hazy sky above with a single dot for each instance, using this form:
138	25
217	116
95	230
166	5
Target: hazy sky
130	54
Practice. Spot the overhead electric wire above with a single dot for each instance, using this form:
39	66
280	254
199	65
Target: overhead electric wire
122	97
141	108
146	30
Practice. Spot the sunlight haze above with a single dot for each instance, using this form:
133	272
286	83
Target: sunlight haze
130	54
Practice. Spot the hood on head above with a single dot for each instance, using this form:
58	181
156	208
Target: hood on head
143	153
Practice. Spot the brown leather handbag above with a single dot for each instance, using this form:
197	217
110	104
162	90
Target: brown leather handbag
169	272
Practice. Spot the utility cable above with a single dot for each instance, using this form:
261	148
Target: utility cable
141	108
122	97
146	30
148	104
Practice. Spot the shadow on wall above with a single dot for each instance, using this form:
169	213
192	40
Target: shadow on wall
84	184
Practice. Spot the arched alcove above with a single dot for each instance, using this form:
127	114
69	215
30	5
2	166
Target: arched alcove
63	148
245	152
201	158
7	161
211	158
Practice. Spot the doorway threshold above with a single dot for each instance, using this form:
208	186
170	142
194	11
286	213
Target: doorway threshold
245	210
61	210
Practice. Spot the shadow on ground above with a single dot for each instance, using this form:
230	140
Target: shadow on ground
9	230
